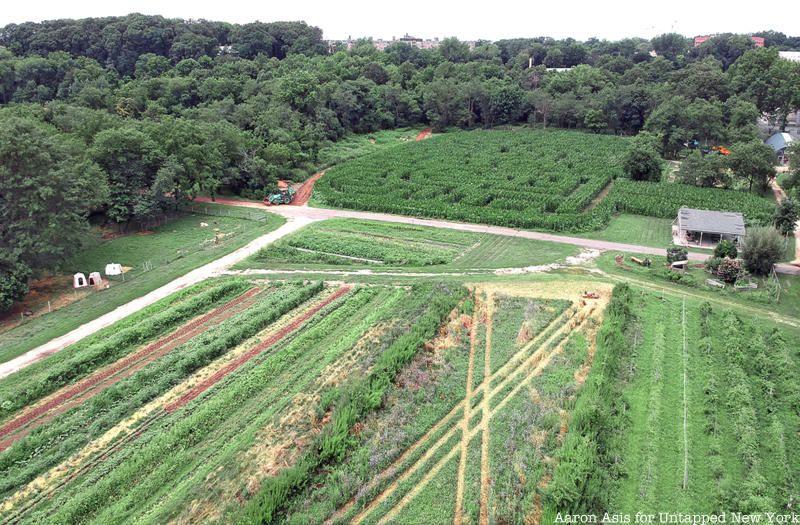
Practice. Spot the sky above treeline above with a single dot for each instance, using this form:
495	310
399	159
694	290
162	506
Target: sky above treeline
464	19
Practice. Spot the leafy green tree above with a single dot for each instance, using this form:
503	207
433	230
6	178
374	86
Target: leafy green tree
130	160
595	120
706	171
554	58
753	162
47	189
704	120
443	102
769	81
787	214
726	248
761	249
726	48
670	45
641	160
14	277
453	50
669	121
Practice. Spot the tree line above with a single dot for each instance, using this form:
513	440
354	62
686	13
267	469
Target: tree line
109	116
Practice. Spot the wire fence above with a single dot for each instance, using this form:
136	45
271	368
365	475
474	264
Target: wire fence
224	211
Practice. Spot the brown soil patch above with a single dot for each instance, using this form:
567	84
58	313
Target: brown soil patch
306	189
424	134
56	288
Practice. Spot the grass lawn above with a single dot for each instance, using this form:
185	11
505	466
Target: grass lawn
380	246
358	145
635	229
173	250
693	282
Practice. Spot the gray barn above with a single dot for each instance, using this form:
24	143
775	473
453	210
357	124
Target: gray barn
704	228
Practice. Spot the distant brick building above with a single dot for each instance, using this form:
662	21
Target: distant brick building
698	40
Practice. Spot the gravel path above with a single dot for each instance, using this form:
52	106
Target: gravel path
211	269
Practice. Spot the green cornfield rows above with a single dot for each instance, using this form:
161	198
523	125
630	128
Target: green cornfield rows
522	178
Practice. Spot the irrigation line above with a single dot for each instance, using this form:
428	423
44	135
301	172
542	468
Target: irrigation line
685	406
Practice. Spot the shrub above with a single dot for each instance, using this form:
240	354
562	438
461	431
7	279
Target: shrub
729	270
786	216
677	253
726	248
761	249
712	263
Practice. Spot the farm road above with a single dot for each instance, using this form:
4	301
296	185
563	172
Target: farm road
780	195
211	269
291	212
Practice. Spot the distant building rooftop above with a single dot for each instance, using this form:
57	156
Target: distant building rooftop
794	56
720	222
779	141
698	40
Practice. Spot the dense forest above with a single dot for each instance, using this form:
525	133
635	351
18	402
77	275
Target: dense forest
109	116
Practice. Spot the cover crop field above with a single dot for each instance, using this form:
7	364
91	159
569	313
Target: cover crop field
351	242
523	178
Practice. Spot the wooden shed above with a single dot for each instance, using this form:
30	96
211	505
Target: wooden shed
705	228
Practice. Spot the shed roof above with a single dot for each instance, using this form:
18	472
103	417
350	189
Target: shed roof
726	222
779	141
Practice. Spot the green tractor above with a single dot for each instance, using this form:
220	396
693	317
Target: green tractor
283	196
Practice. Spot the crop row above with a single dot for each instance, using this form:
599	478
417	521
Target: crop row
73	363
523	179
533	179
77	393
170	452
659	199
51	443
330	340
587	459
351	402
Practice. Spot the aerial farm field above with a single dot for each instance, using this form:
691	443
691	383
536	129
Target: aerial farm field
222	380
377	245
553	180
503	400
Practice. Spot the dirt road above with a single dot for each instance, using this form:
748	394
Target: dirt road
211	269
780	195
297	217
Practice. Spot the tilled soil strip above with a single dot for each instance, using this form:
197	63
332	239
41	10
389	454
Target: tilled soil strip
244	358
98	382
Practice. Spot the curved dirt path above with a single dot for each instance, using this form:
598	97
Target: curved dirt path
780	195
211	269
305	191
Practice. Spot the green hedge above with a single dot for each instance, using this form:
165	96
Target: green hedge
586	470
